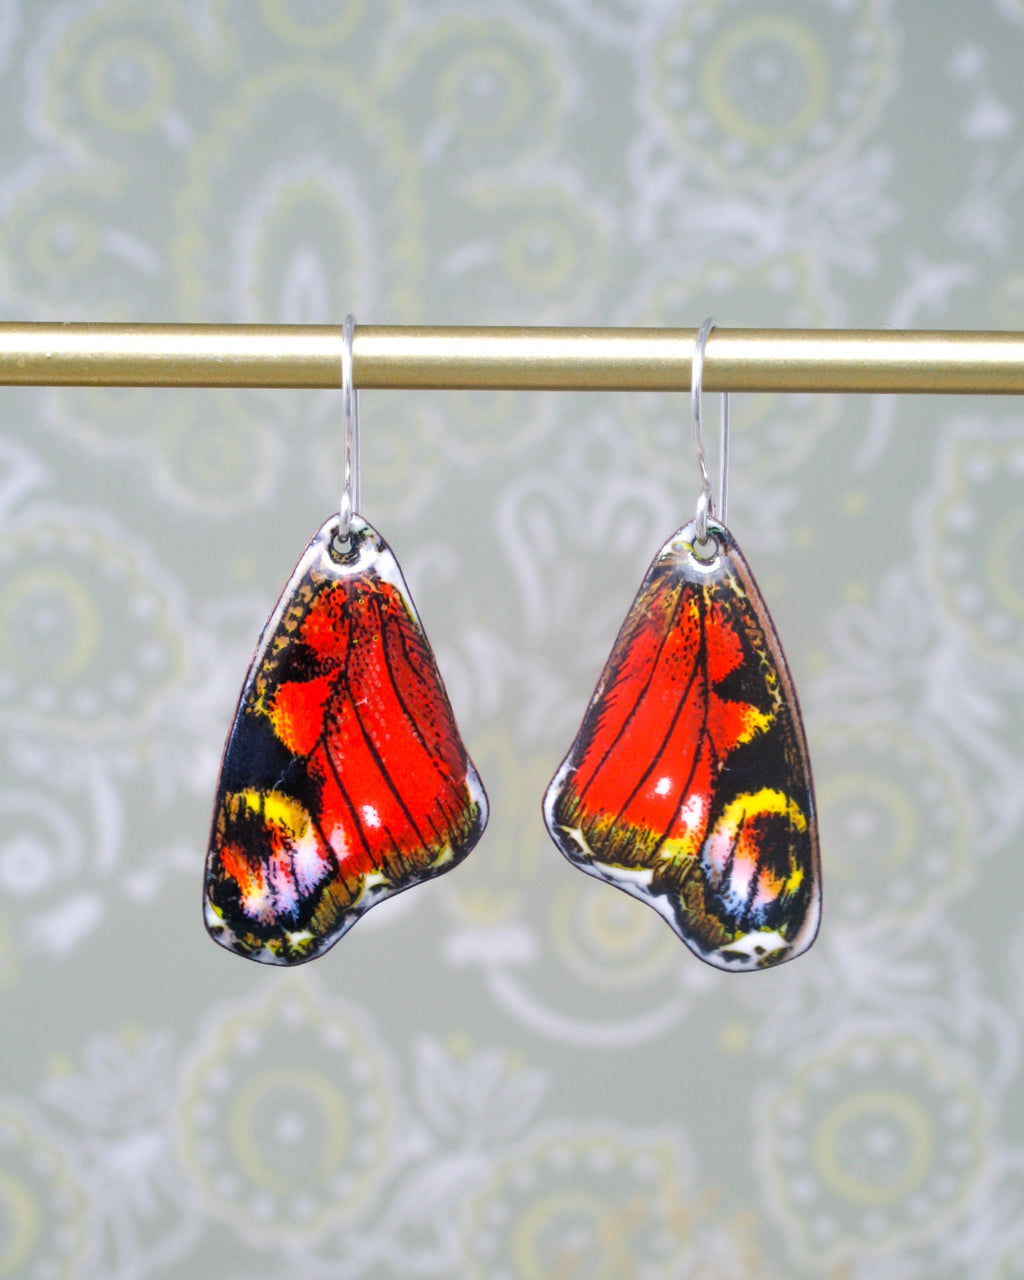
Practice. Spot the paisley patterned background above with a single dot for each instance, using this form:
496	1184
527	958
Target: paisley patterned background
514	1072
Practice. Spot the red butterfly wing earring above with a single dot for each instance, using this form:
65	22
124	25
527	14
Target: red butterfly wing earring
689	784
344	778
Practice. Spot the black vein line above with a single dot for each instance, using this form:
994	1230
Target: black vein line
699	666
379	762
453	819
346	797
638	699
754	879
731	857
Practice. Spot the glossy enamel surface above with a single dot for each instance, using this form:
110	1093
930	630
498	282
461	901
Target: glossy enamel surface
689	784
344	778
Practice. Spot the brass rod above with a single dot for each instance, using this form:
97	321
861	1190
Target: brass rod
800	360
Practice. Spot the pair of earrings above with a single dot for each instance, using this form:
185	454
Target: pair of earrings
345	780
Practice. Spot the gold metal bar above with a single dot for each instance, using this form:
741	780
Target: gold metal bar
189	355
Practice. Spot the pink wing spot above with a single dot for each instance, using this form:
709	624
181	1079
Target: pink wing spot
309	864
283	893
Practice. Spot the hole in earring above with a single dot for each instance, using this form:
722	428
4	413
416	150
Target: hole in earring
343	548
705	551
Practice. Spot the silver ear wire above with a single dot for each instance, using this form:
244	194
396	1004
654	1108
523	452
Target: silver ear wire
706	504
350	493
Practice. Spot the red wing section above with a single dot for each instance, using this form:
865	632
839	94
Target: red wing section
689	784
344	778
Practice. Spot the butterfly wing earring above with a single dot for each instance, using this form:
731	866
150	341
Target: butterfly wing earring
689	783
344	779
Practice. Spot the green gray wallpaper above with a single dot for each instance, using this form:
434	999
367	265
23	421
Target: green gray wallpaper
514	1072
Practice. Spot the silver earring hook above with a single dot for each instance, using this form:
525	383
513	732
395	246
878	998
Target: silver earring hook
350	493
706	504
